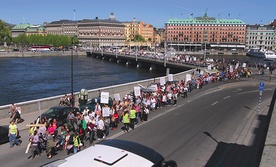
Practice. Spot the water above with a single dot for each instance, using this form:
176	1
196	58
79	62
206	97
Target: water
24	79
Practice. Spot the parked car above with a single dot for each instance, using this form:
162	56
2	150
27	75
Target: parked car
92	103
59	113
4	131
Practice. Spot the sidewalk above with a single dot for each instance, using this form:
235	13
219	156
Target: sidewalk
28	118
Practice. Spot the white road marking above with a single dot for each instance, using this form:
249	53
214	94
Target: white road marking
226	97
214	103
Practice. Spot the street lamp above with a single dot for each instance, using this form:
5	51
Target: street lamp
72	74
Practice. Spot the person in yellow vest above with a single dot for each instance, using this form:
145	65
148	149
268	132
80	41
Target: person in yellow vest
31	129
126	121
76	140
13	132
132	116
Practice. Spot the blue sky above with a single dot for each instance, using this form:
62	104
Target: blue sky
155	12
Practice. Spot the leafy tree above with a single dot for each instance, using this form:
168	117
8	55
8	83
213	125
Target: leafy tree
5	33
52	40
139	38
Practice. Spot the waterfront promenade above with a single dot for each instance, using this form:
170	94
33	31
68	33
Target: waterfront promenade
38	54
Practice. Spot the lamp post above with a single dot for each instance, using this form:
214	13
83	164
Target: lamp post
72	74
155	56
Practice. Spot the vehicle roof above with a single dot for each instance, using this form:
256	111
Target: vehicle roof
62	107
116	153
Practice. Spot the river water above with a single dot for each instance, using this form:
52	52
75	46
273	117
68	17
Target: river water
24	79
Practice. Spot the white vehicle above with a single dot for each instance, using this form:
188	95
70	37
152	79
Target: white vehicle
114	153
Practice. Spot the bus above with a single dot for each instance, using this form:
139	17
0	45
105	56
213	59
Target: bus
114	153
44	48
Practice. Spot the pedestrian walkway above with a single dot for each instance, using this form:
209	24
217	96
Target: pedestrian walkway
28	118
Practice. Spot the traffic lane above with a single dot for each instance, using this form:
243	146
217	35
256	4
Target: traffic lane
191	132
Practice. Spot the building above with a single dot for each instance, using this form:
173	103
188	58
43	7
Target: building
147	32
131	29
134	28
195	33
62	27
273	23
36	30
260	36
160	36
101	32
20	29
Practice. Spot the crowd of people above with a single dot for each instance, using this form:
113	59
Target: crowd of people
90	124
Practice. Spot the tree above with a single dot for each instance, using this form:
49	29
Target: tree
5	33
52	40
139	38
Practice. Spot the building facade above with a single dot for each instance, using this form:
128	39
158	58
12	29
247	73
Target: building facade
20	29
36	30
147	32
101	32
260	36
62	27
134	28
194	33
131	29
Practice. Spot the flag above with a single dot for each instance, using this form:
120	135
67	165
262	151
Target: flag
229	14
192	14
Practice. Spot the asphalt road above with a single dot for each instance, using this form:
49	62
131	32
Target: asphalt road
220	125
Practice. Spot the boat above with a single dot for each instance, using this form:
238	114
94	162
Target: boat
261	53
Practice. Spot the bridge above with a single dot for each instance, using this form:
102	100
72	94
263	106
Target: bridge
151	63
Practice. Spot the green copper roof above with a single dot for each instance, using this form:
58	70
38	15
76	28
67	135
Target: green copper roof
204	20
21	26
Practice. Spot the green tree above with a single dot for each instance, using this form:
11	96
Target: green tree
139	38
52	40
5	33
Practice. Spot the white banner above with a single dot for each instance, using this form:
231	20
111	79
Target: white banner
137	91
188	77
243	65
117	97
237	66
162	81
105	112
104	97
170	77
201	72
231	68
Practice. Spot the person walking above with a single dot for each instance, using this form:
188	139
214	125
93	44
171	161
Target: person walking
175	98
34	139
126	121
132	116
13	133
50	144
100	128
77	142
